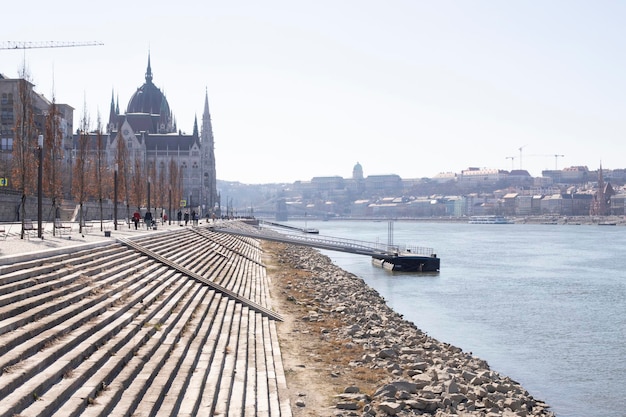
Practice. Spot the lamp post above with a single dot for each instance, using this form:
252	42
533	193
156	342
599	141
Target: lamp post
39	186
169	208
115	198
148	208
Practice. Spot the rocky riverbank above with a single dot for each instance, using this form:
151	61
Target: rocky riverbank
344	341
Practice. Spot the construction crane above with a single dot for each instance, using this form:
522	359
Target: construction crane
520	155
556	158
512	158
45	44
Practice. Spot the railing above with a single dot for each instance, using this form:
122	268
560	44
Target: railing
327	242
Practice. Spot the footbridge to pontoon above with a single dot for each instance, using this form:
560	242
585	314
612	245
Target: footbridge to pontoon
359	247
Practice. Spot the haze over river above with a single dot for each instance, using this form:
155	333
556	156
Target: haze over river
542	304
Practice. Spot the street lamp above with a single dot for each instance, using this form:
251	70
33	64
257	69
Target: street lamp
115	198
39	186
148	194
169	209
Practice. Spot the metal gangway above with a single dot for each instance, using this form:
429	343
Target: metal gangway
321	242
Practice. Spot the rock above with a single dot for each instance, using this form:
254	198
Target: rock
451	387
387	391
347	405
390	408
405	386
387	353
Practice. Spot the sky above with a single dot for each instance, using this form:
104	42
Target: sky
300	89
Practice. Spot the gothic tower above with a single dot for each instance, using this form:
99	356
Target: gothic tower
209	179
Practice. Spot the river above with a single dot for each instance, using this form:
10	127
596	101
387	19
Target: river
542	304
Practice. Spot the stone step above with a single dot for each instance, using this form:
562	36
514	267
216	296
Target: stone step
120	333
99	372
38	373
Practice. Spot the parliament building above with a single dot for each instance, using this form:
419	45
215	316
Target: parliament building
149	130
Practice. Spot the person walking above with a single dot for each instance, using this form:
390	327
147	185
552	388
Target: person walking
136	219
148	219
186	217
180	216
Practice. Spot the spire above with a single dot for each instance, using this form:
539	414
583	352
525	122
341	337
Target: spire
208	155
149	71
112	111
206	104
112	114
195	127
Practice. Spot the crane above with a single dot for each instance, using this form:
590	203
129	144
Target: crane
556	158
45	44
512	158
520	155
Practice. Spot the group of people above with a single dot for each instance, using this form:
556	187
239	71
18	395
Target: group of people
150	222
147	219
193	216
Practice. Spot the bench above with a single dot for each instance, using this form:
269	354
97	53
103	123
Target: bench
62	228
29	227
85	226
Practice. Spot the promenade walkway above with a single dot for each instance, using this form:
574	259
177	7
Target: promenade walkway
178	323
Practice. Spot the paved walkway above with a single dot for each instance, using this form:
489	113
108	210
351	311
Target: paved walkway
13	248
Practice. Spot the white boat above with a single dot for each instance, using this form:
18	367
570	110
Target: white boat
493	219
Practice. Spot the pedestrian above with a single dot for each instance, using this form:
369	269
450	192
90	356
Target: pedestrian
136	219
180	216
194	219
148	219
186	217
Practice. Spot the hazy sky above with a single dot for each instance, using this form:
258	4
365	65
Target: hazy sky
301	89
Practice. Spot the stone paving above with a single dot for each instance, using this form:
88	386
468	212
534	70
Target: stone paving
13	248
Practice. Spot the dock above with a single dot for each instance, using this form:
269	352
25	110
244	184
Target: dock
400	258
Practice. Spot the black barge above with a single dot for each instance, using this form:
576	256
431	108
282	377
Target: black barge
407	262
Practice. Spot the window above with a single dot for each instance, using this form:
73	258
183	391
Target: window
6	144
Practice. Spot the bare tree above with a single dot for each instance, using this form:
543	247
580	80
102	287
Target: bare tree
24	167
123	168
162	188
81	169
103	181
138	184
174	182
52	158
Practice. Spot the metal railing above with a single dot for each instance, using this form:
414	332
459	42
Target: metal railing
325	242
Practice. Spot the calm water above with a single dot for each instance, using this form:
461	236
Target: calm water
543	304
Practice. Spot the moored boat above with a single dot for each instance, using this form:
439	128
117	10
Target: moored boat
492	219
407	262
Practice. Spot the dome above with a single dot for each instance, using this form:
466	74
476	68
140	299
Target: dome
357	172
148	98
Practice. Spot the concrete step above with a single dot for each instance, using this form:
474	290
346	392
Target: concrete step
39	372
120	333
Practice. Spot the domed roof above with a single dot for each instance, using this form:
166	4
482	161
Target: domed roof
357	172
148	98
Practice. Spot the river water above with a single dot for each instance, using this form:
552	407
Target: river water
542	304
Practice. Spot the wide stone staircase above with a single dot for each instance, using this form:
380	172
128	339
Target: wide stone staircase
173	324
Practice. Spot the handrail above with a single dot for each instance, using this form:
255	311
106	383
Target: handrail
329	242
230	294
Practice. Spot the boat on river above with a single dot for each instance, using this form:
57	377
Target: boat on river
492	219
408	261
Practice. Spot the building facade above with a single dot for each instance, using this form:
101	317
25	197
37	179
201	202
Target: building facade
149	130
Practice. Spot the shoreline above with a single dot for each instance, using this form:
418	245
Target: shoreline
369	358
